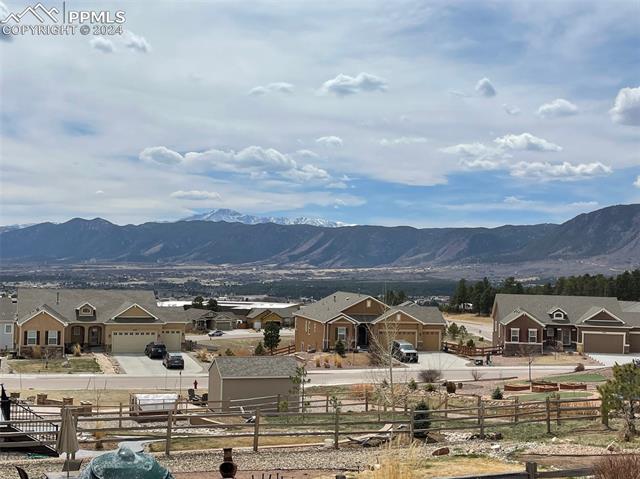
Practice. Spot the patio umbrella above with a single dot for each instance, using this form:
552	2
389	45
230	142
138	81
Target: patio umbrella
5	404
67	437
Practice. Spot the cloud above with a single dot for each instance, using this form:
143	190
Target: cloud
332	141
403	140
637	182
563	172
511	110
253	161
626	109
515	203
196	195
102	44
485	88
525	141
161	155
136	43
99	192
557	108
277	87
343	85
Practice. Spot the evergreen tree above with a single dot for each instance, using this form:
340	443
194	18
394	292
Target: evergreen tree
271	336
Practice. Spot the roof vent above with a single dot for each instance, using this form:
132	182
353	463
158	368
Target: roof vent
57	297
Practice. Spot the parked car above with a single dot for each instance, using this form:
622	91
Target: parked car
155	350
171	361
215	332
404	351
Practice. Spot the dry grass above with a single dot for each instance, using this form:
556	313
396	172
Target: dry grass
86	364
203	355
618	467
110	397
468	318
358	391
195	444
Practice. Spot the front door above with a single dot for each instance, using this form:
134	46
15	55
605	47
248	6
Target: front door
95	336
363	336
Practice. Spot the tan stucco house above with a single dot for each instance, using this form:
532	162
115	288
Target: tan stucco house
361	321
120	321
525	323
252	382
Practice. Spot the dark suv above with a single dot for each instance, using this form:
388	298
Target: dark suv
155	350
404	351
173	361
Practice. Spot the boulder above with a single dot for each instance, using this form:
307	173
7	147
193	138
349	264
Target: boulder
434	437
442	451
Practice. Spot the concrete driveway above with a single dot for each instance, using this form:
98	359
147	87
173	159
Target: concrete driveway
438	360
611	359
141	365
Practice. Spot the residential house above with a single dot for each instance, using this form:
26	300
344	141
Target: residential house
8	310
524	323
361	321
120	321
258	318
210	320
247	382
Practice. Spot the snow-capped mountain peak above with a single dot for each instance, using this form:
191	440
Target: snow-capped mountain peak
232	216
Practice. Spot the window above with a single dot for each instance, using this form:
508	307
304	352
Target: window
368	303
52	338
32	338
342	334
515	335
533	335
8	329
558	315
397	316
550	333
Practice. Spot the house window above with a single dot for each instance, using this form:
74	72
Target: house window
8	329
52	338
515	335
558	315
533	335
342	334
368	303
550	333
32	338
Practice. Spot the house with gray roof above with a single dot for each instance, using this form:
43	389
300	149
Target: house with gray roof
246	383
8	311
361	321
121	321
529	323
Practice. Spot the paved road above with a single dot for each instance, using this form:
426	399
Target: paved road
141	365
240	334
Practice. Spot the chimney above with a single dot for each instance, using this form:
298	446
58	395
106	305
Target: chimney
58	297
334	298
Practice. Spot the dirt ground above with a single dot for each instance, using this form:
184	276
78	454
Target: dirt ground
290	474
468	318
546	359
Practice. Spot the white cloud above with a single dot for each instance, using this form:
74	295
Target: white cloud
102	44
403	140
485	88
136	42
332	141
515	203
160	154
563	172
196	195
99	192
626	109
557	108
525	141
277	87
343	85
637	182
511	110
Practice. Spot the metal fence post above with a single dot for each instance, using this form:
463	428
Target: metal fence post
167	444
336	431
256	430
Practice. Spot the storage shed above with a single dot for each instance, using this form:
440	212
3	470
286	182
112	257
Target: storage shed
237	383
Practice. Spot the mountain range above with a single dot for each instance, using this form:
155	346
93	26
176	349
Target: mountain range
606	237
233	216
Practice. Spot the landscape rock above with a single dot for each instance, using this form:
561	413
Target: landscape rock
443	451
434	437
613	447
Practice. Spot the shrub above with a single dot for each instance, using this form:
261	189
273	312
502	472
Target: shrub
340	348
471	343
359	391
617	467
579	367
283	406
476	375
337	361
260	351
430	375
77	350
412	385
497	393
453	330
318	361
36	352
451	387
228	352
421	419
326	362
203	355
429	388
463	332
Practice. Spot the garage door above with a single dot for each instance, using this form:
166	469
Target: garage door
603	343
410	336
172	340
634	343
430	340
131	341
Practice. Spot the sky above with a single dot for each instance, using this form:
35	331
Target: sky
427	114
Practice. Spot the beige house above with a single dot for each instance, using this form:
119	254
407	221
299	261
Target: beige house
361	321
525	323
250	382
120	321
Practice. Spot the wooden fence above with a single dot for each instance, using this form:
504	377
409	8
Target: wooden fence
464	350
325	418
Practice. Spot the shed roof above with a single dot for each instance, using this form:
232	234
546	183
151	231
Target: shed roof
255	366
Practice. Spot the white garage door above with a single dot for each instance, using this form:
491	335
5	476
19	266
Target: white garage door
172	340
131	341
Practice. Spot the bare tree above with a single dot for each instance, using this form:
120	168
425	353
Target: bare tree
381	347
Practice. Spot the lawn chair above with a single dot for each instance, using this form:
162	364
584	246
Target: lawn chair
193	397
22	473
72	465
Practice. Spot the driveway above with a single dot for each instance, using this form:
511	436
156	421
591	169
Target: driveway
141	365
438	360
611	359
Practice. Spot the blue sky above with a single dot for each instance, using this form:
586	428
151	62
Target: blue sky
394	113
